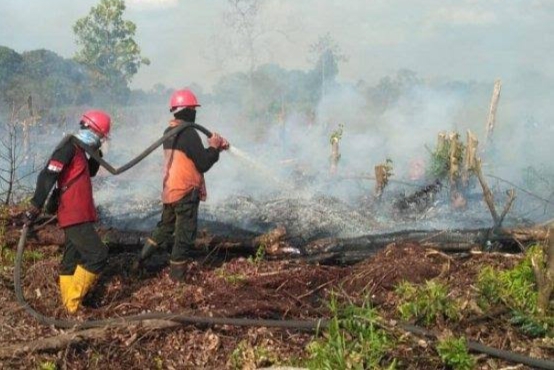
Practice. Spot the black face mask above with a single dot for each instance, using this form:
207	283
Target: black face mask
187	115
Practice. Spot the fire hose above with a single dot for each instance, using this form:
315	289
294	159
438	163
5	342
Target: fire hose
307	325
174	131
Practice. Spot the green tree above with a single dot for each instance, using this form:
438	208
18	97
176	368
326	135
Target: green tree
108	47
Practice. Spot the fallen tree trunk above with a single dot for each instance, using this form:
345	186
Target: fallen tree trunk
276	243
335	250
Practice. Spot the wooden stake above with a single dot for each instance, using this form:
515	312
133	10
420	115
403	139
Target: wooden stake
491	121
470	157
335	155
456	197
544	274
380	179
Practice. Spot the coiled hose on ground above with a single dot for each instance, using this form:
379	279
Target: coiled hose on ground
306	325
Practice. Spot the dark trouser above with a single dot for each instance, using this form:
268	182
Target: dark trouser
83	247
177	230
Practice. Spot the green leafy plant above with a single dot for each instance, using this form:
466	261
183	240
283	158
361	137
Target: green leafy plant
247	356
234	279
426	303
48	365
515	288
439	166
158	363
8	257
354	340
532	325
337	134
260	255
454	353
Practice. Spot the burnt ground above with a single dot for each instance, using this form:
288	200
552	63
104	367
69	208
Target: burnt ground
241	287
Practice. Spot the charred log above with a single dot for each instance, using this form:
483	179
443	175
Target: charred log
421	199
277	244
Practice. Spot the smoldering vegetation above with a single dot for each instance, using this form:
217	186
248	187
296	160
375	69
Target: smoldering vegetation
281	121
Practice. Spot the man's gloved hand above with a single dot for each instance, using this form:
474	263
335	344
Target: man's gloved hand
31	215
224	144
215	141
218	142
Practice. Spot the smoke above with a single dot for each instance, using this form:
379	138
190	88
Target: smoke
456	51
289	158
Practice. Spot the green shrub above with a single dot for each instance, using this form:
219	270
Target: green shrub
453	353
439	165
426	303
352	341
47	365
250	357
515	288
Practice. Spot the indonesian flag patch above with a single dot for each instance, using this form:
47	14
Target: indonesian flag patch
55	166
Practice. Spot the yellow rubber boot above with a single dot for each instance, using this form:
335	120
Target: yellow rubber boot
66	281
83	280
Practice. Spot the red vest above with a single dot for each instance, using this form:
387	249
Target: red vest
76	203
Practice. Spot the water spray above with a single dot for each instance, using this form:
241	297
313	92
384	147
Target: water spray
259	167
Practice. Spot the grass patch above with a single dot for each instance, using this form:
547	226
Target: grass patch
516	289
353	340
426	303
246	356
235	279
454	354
8	257
47	365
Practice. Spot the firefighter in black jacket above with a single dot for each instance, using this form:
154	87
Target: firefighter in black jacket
186	160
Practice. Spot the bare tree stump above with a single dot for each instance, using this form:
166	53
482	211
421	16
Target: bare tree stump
456	197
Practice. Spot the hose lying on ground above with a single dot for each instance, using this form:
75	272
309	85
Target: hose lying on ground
306	325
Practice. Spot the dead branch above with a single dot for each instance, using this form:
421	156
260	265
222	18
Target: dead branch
61	341
487	193
511	198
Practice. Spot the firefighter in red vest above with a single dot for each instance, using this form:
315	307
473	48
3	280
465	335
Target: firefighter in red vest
186	161
85	255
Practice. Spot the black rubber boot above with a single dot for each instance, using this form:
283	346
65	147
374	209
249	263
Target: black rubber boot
147	250
177	270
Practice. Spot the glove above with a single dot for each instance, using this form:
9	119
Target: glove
218	142
31	215
215	141
224	144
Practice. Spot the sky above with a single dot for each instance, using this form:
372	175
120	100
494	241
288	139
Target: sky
188	41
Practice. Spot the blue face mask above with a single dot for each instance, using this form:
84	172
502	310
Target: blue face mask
89	137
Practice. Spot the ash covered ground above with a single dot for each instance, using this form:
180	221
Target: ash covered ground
309	215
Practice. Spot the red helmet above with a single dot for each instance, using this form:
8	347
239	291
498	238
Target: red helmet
98	121
182	98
